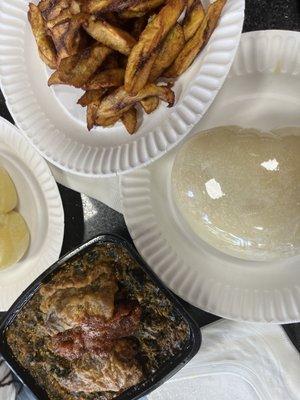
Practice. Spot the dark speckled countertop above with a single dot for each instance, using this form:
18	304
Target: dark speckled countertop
272	14
85	219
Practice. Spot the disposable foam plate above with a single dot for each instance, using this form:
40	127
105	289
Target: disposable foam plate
39	203
262	91
56	125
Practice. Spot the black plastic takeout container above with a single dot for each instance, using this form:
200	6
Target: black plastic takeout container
169	368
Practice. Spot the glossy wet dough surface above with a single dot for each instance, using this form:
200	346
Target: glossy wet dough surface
239	190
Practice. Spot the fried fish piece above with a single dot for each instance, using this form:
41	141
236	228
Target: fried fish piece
44	42
197	42
68	36
77	70
129	119
119	101
110	35
113	77
142	56
103	6
193	19
91	96
167	52
150	104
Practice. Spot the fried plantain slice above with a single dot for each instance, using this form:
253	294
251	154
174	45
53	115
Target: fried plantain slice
129	119
141	8
193	19
55	79
64	15
44	42
128	14
91	114
91	96
68	36
50	9
146	5
76	6
90	60
103	6
113	77
104	122
44	4
167	52
78	69
110	35
150	104
61	75
197	42
142	56
119	101
214	16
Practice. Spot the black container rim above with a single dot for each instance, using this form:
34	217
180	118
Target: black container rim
166	371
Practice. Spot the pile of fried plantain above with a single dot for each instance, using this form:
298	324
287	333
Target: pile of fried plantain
118	50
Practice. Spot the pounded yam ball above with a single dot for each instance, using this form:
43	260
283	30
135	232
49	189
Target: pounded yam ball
239	190
14	238
8	194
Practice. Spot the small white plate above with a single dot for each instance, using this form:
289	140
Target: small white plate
56	125
39	203
261	91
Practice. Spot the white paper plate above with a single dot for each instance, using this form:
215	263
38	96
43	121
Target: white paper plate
7	392
55	124
41	206
262	91
237	361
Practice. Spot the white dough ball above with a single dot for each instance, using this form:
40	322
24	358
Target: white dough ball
14	238
239	190
8	194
